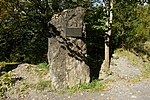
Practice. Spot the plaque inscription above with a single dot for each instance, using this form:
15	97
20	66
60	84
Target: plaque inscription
74	32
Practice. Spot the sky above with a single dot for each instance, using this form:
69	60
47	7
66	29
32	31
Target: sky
97	3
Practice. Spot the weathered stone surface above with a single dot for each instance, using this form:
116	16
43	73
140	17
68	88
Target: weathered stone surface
67	55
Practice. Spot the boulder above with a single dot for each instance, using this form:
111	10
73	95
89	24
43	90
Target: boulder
67	56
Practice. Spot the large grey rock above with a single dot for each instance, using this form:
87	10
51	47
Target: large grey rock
67	55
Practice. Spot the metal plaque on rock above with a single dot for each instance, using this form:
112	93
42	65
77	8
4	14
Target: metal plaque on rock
74	32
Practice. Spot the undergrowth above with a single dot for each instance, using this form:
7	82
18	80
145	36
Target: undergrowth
5	78
5	82
94	86
43	84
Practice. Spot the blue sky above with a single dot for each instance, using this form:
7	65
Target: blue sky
98	3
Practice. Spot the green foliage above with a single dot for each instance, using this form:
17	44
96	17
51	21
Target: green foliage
5	82
24	28
94	86
43	66
2	64
130	24
96	19
21	36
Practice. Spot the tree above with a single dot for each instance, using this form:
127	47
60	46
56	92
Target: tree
24	27
108	9
126	29
130	19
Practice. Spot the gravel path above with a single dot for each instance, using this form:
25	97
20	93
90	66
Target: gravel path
119	89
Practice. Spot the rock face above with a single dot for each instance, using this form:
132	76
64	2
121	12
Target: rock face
67	55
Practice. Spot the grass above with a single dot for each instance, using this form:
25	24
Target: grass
25	87
42	69
6	82
146	72
43	84
94	86
43	66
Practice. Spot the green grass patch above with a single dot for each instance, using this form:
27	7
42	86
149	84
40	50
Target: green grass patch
42	69
94	86
43	66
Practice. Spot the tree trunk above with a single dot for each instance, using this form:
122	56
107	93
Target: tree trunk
107	37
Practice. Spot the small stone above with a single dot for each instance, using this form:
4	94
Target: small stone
115	55
81	93
133	96
130	93
102	94
139	91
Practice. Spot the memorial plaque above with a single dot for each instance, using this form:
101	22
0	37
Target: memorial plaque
74	32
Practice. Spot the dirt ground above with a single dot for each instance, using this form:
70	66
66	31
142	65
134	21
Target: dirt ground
123	86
